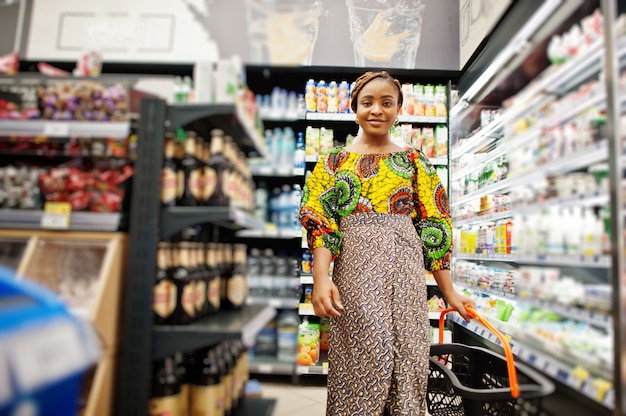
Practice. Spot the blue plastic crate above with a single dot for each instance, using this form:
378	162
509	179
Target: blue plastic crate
44	350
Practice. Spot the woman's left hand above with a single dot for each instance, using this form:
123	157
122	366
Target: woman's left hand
459	302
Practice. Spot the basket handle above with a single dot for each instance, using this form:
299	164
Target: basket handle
508	354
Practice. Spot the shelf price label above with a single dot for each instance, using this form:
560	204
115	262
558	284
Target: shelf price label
56	129
56	215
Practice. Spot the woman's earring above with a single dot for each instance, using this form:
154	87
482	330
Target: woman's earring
397	122
357	122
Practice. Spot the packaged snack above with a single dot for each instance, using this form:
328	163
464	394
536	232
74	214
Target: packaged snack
324	328
308	341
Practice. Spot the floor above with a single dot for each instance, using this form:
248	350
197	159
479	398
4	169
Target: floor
306	397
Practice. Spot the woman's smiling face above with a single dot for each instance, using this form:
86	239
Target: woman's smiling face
377	107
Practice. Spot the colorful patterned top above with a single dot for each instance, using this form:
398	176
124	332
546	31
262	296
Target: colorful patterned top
402	182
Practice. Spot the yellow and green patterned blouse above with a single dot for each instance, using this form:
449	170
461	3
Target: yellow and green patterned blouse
403	182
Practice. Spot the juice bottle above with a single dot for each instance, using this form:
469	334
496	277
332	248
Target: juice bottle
310	96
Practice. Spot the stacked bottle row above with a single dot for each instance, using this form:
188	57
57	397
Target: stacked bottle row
209	381
544	232
195	279
273	274
281	207
285	151
334	97
199	171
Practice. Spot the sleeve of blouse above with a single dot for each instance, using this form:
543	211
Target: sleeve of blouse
317	210
433	222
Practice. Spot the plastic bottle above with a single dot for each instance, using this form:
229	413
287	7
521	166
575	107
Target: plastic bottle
299	160
287	336
294	206
273	206
284	208
556	232
288	148
261	201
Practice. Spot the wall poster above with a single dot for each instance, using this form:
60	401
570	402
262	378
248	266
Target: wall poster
412	34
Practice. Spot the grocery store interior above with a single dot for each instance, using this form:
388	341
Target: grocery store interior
153	156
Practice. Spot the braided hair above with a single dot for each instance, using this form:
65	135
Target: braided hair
367	77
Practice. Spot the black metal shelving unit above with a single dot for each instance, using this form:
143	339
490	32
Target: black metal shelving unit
148	223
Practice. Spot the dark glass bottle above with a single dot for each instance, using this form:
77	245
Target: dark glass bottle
169	181
224	265
225	363
189	174
207	391
218	163
182	373
236	277
164	290
165	389
209	175
214	285
185	308
200	279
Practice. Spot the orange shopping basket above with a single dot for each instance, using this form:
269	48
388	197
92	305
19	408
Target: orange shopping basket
473	381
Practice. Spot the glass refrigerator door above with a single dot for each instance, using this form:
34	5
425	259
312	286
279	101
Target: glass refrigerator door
11	251
70	268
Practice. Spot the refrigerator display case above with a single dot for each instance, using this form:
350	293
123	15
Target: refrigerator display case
535	167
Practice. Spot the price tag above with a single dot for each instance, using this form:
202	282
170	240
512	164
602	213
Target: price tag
325	367
577	377
265	368
56	215
56	129
305	309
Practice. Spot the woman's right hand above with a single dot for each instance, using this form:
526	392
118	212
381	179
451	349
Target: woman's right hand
326	299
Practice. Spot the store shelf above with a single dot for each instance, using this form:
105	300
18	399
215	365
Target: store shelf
306	279
253	406
227	117
244	324
79	221
571	260
270	365
274	301
174	219
597	152
270	171
548	364
352	117
53	128
270	232
599	198
577	313
435	161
